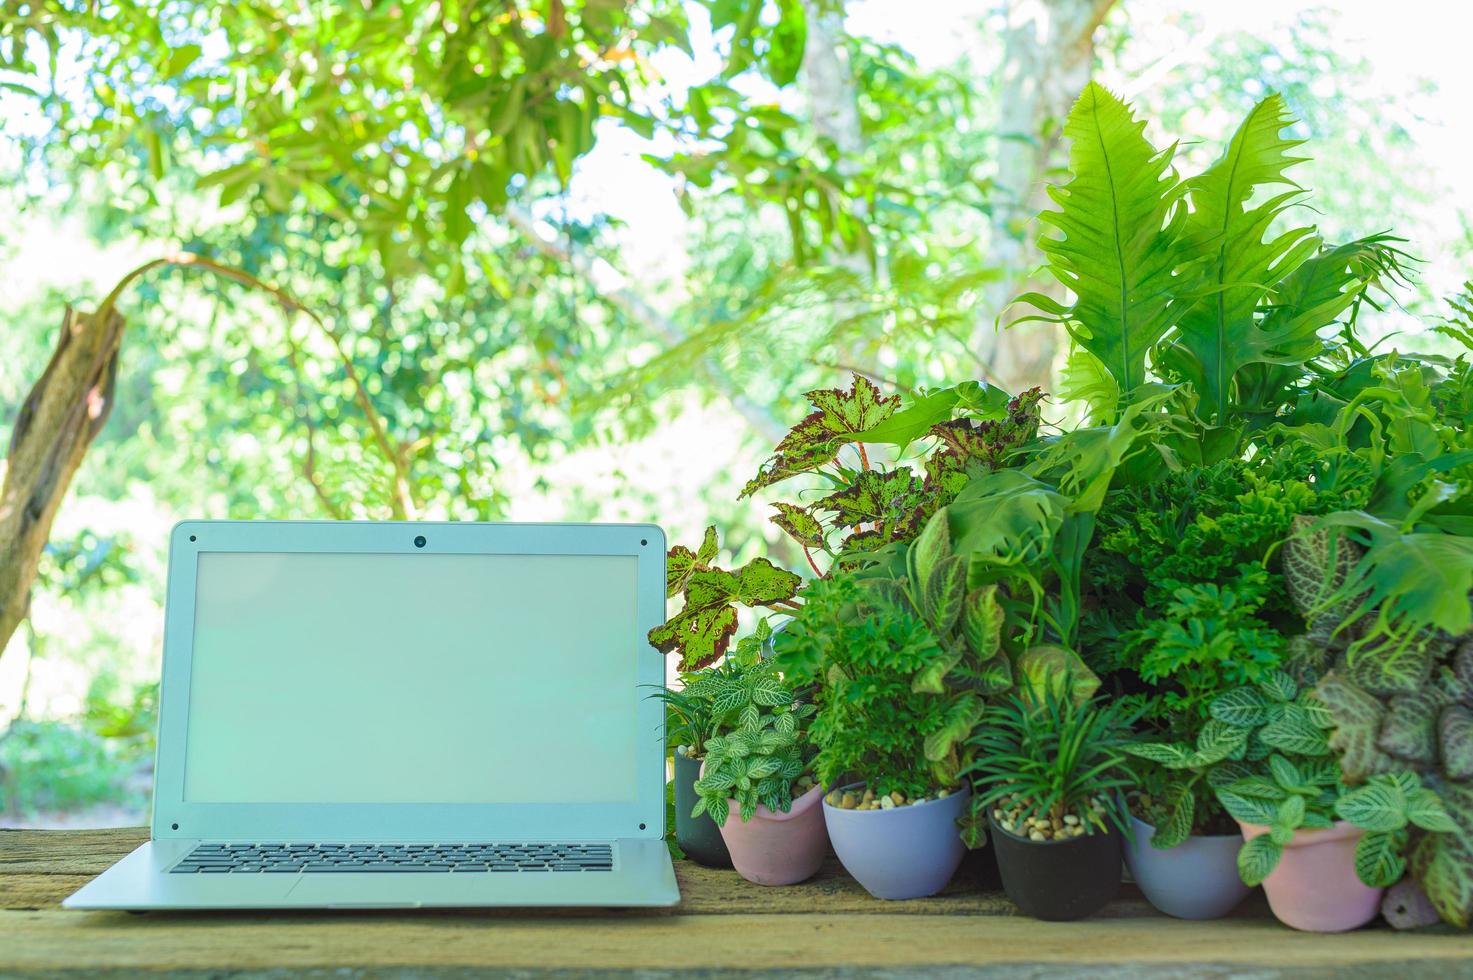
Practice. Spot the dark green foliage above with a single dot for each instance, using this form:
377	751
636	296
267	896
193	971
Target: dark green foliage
1190	599
892	706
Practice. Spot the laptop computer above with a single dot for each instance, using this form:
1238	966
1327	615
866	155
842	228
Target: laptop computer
398	715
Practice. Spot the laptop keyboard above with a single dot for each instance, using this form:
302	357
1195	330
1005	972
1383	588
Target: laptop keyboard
390	858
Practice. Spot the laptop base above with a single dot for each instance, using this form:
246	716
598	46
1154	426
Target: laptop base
643	875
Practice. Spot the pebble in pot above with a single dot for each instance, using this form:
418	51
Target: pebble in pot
895	847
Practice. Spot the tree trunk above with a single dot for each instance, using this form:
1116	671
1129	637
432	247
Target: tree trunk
1048	55
828	82
57	422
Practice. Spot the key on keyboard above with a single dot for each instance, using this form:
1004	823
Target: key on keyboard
394	858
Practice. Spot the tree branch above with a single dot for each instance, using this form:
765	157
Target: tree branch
402	498
611	284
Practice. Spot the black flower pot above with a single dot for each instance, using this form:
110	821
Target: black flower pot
698	837
1058	880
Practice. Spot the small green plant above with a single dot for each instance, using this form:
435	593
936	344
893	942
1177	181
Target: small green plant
1267	755
760	750
1308	795
1051	767
691	716
894	702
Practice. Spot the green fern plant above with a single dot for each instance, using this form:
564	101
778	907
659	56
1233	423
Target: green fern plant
1118	242
1193	280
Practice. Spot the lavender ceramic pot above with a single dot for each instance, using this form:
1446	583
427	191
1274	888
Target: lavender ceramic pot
907	852
1315	887
778	848
1196	879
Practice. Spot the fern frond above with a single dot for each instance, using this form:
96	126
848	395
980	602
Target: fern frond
1236	264
1118	221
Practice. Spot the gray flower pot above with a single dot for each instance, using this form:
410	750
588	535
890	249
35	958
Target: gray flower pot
1197	879
698	837
908	852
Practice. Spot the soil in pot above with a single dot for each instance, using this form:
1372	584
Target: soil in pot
897	848
698	837
1197	879
1057	879
1315	887
778	848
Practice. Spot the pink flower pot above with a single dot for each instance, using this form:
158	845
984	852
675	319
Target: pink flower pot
778	848
1315	887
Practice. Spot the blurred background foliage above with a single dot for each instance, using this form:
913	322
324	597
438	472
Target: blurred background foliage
571	259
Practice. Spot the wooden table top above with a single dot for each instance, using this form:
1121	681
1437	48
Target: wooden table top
826	927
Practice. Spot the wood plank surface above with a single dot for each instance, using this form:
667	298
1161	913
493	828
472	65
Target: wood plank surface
724	926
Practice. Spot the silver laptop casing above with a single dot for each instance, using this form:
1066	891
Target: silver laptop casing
642	874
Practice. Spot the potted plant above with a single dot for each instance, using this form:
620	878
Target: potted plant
1049	776
1323	851
897	697
756	781
690	721
701	633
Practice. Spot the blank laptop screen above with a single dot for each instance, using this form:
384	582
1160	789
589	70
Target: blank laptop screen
366	678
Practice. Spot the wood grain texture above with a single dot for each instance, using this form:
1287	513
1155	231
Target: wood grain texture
725	926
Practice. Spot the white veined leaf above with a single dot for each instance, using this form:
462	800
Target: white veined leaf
1177	826
1244	707
1426	810
1279	686
762	766
1378	806
1378	859
1285	773
770	693
1218	740
731	697
1257	859
1290	814
1247	809
1258	788
1224	773
1170	755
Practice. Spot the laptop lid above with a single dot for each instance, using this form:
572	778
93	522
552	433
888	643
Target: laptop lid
411	681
